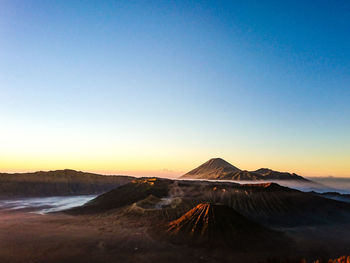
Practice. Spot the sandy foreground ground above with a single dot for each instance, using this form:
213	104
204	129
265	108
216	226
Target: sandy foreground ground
28	237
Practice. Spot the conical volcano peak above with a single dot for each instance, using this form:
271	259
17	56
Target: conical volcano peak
218	163
213	224
212	169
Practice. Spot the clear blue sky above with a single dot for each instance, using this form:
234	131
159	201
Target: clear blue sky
161	86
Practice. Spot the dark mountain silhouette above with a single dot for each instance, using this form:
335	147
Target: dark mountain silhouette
219	225
59	182
219	169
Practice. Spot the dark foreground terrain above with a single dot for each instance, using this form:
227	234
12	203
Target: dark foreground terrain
27	237
161	220
108	238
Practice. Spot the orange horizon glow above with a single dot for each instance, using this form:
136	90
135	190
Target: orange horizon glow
152	168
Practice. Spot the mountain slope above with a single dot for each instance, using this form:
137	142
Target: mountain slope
269	174
334	195
218	225
59	182
212	169
136	190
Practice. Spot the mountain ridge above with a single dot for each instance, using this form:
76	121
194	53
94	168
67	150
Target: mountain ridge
266	203
58	183
219	169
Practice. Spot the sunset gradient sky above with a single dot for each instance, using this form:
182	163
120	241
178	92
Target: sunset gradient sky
158	87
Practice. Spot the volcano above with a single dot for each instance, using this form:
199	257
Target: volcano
218	225
219	169
269	204
212	169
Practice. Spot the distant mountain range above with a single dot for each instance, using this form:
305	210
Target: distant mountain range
71	182
219	169
57	183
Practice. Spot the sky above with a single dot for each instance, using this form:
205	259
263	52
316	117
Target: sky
159	87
